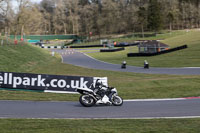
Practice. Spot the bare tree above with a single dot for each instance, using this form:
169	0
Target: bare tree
60	17
7	15
28	18
73	10
97	16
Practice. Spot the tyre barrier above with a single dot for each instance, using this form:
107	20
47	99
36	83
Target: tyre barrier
112	50
127	44
53	47
118	45
86	46
90	46
59	47
157	53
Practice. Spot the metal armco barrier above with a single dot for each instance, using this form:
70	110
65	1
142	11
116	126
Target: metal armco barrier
45	82
112	50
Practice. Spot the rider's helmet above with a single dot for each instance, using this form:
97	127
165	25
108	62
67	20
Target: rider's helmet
98	83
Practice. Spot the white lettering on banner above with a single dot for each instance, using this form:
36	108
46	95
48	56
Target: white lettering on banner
1	80
26	81
40	81
10	78
5	78
33	81
52	83
16	81
73	85
83	83
62	83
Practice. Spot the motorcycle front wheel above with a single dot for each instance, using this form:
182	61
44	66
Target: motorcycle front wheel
86	100
117	100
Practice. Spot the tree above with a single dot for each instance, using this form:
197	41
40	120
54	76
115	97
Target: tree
111	17
73	14
47	8
59	18
2	5
87	20
155	20
142	18
28	19
98	16
7	15
170	17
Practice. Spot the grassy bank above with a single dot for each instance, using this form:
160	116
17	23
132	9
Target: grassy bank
130	86
100	126
134	36
27	58
185	58
160	36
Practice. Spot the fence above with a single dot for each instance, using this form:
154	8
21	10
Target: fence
45	37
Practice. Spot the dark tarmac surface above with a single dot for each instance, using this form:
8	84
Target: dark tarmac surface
80	59
130	109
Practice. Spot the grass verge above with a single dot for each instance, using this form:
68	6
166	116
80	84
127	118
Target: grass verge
100	126
26	58
184	58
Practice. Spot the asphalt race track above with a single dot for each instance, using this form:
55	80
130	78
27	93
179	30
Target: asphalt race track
132	109
189	108
80	59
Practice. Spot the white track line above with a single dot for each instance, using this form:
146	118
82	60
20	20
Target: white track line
148	100
97	59
61	92
125	100
136	118
191	67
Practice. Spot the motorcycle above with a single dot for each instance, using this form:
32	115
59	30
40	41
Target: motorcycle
101	94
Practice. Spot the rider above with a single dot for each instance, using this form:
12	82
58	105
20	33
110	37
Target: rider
98	87
101	89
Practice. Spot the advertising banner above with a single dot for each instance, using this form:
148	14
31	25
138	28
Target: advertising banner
44	82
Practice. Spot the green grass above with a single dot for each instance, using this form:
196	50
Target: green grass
131	37
22	58
36	96
162	36
31	59
184	58
130	86
100	126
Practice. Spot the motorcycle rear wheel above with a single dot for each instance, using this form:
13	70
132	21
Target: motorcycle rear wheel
116	100
86	100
